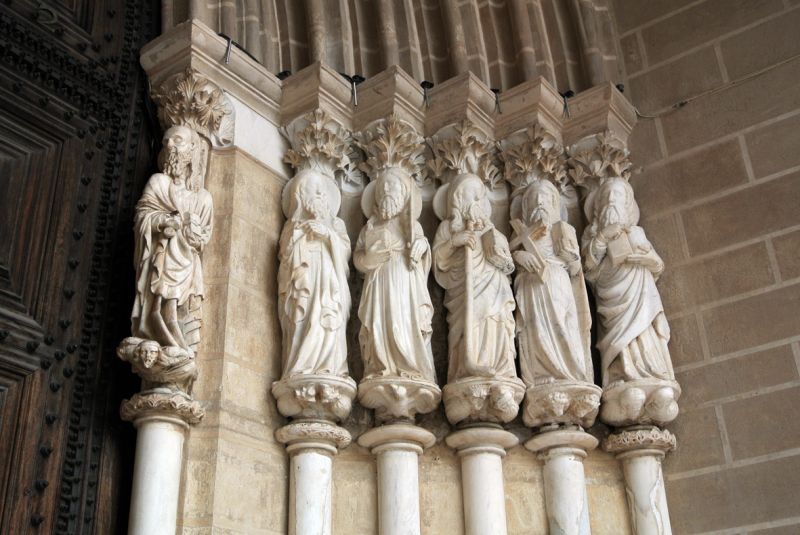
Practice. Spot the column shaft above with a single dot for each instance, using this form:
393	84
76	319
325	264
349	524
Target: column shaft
310	490
647	499
398	492
484	495
156	476
565	492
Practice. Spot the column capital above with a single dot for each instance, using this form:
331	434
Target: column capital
531	102
560	441
397	437
166	405
640	441
313	434
481	439
392	92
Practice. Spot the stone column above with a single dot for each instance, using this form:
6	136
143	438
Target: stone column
481	449
563	451
162	421
172	224
640	393
641	450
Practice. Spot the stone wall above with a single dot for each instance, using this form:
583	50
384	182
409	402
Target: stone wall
719	191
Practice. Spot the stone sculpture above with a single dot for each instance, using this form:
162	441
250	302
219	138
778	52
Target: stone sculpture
472	262
622	266
395	258
313	294
552	318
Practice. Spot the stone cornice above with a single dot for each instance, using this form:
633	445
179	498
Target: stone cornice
193	44
393	91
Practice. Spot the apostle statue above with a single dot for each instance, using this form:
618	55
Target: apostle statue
553	319
172	225
473	263
622	266
313	296
395	258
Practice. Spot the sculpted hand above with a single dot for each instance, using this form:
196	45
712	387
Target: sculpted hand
317	228
464	238
611	232
418	249
642	260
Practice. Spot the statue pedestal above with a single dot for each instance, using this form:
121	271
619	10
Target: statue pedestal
162	420
311	446
481	449
561	402
398	399
644	401
563	451
483	399
397	448
641	450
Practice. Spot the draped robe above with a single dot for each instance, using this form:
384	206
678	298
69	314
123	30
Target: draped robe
493	307
553	336
395	309
169	268
634	331
314	298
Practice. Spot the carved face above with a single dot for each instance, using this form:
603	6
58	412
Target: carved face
614	203
541	203
148	353
312	195
178	147
467	203
391	195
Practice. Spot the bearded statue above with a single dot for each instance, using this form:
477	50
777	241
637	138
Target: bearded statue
172	226
622	266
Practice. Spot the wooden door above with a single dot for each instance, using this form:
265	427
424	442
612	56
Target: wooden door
75	149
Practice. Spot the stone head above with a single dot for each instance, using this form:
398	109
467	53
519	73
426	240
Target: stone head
391	193
614	204
148	353
469	203
541	203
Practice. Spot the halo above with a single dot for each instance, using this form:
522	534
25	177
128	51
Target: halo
368	196
441	201
289	199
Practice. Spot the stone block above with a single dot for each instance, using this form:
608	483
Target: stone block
787	253
631	14
257	194
753	321
759	425
672	82
215	306
739	375
245	390
724	275
631	53
739	496
644	144
773	148
699	441
702	23
252	333
253	258
441	507
608	510
221	174
792	529
524	488
671	184
743	215
664	234
355	494
685	345
740	106
762	45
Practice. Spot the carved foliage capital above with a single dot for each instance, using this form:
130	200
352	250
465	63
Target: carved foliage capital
190	99
537	156
465	148
598	158
392	142
154	403
640	439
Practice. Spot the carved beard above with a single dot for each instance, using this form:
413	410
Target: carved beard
390	206
471	217
540	217
316	206
610	215
177	163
